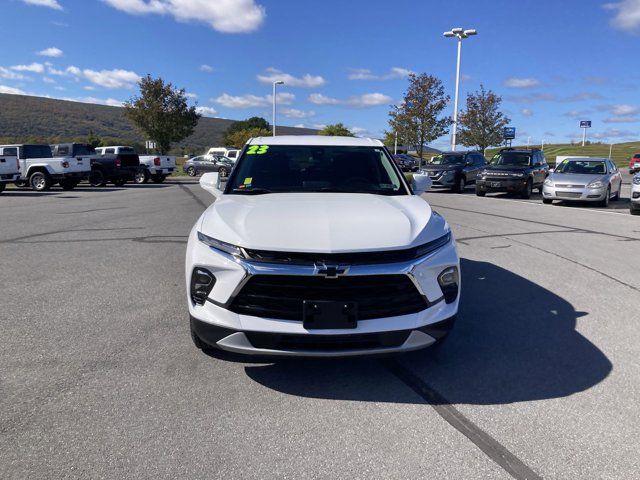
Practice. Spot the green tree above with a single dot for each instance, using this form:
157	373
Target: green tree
418	118
239	138
161	113
481	124
336	130
94	140
249	123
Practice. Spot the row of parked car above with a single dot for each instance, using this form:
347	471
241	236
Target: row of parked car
521	171
42	166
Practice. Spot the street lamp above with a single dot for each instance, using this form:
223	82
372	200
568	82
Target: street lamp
277	82
460	34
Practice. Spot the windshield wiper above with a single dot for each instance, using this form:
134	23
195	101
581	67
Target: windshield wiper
251	191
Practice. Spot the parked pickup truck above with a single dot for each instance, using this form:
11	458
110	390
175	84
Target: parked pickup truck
115	164
156	168
40	169
9	170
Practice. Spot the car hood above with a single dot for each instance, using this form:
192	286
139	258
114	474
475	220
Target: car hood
322	222
576	178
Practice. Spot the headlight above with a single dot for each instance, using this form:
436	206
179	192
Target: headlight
519	175
596	184
218	245
636	180
548	182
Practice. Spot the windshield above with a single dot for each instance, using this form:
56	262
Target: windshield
126	150
512	158
447	160
295	168
583	167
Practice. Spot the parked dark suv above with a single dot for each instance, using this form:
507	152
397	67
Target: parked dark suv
513	170
455	170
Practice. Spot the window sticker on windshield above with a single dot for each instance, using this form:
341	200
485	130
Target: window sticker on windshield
248	180
257	149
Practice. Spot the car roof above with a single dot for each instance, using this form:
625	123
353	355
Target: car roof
316	140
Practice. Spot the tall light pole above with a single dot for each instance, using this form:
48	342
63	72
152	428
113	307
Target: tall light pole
277	82
460	34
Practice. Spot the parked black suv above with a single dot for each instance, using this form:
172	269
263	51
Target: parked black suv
513	170
455	170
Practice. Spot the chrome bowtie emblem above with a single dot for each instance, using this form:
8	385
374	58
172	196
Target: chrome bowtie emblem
331	271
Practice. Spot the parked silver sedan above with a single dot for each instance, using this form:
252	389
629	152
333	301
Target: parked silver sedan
208	163
586	179
634	206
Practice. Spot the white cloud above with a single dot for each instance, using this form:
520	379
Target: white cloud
252	101
615	133
295	113
227	16
48	80
206	68
299	125
11	90
526	112
100	101
624	109
51	52
627	16
44	3
320	99
34	67
366	74
359	101
90	88
206	111
359	131
514	82
117	78
10	75
190	95
271	75
623	119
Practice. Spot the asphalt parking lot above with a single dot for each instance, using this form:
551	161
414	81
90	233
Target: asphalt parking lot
99	378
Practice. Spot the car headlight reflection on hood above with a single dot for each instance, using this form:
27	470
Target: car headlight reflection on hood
219	245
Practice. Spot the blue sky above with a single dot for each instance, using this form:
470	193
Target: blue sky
554	63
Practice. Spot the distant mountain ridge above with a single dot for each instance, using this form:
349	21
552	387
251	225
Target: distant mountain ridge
39	119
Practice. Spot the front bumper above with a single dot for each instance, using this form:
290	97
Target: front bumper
231	274
574	194
635	195
503	184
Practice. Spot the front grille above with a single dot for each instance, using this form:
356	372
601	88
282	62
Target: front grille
568	194
282	296
569	185
363	341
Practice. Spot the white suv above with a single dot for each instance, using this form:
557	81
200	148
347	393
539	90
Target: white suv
317	246
635	195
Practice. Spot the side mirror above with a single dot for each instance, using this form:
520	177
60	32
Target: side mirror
211	183
421	183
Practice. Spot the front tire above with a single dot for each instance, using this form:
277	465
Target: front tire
158	178
634	210
97	178
2	187
119	182
40	181
480	193
460	184
21	184
528	190
191	171
547	201
607	197
141	177
223	172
